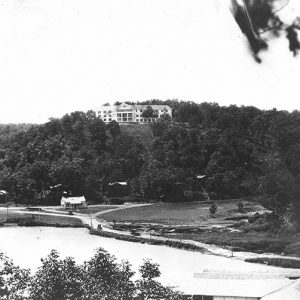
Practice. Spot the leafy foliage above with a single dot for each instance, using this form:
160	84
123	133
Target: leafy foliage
102	277
13	280
258	17
242	151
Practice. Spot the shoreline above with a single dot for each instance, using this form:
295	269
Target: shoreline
92	221
189	245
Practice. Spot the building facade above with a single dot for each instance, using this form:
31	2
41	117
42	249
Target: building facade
73	202
125	113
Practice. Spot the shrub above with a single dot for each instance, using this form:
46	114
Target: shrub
240	206
213	209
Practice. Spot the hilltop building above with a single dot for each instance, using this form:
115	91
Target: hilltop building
125	113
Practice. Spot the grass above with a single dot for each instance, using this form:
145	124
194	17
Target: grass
278	262
188	213
192	221
95	209
40	220
130	238
259	242
88	210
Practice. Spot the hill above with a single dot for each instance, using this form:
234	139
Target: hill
205	152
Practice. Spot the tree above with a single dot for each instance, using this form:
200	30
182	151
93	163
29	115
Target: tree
105	279
114	128
57	279
257	17
213	209
149	288
240	206
13	280
148	112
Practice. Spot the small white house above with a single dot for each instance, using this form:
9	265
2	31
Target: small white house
73	202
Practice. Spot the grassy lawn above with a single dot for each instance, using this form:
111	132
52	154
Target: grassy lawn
14	217
245	241
88	210
256	237
92	210
193	213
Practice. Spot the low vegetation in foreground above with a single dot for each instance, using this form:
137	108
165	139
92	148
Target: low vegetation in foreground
100	278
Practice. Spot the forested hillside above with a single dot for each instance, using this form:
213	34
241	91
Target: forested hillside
242	151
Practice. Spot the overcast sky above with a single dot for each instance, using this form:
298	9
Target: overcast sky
57	56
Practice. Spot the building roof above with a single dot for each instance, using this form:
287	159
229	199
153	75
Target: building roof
289	292
120	183
231	283
232	287
3	192
137	106
144	106
73	200
248	275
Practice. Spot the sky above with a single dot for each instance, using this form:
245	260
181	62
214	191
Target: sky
58	56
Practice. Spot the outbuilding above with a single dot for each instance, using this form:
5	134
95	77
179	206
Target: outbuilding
73	202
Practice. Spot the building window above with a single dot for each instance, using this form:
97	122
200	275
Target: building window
119	115
109	119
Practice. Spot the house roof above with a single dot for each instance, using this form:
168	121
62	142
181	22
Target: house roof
248	275
120	183
290	292
139	106
3	192
73	200
238	283
232	287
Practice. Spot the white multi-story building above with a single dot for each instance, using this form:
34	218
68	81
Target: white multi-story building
125	113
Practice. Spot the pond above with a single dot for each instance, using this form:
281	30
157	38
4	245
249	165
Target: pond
27	245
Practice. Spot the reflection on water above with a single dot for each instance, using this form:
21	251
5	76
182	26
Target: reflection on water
27	245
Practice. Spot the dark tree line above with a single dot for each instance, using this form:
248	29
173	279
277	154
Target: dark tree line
242	151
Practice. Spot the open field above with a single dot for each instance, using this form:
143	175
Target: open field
94	209
31	219
192	221
188	213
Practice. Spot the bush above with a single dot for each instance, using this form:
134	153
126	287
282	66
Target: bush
279	262
293	249
213	209
240	206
